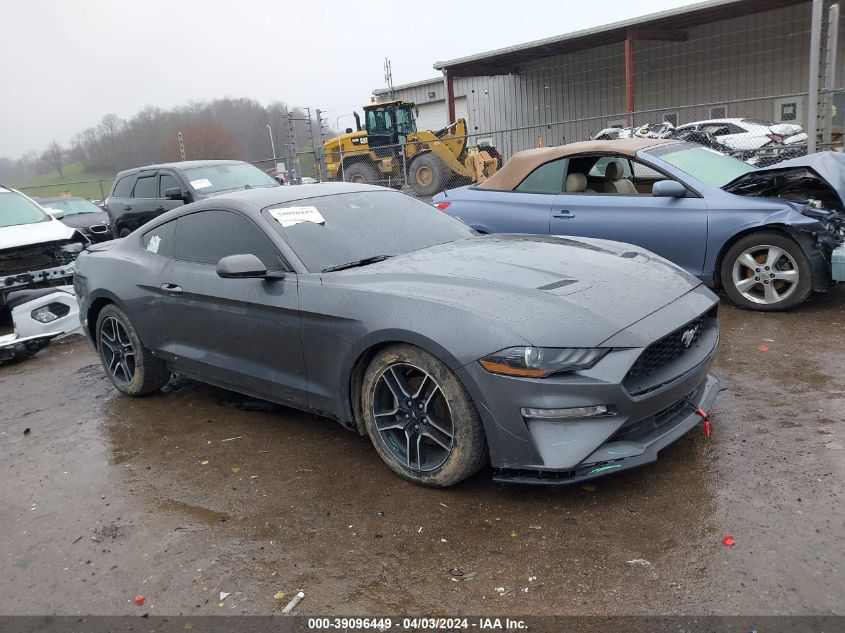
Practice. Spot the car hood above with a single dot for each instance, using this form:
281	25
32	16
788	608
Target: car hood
818	176
84	220
551	291
26	234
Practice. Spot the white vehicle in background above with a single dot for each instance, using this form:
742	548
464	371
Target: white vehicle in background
752	140
36	249
37	261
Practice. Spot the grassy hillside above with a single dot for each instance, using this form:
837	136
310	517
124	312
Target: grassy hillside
51	184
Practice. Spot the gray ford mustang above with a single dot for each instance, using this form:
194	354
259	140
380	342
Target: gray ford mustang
557	360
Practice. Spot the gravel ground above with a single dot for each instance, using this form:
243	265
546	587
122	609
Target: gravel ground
185	494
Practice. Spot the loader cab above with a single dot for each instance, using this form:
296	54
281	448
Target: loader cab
389	124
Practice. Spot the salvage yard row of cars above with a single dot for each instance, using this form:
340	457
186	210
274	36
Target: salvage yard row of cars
556	321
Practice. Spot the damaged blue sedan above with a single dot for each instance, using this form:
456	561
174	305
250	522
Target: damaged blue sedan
767	237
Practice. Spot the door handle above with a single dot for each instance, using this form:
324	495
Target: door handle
127	207
172	288
160	207
563	214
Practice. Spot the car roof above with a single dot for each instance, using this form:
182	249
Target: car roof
267	196
184	164
523	163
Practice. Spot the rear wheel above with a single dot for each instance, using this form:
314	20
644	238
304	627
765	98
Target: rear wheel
420	418
361	173
427	175
766	271
130	366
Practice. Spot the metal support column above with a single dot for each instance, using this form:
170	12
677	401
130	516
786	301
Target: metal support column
813	88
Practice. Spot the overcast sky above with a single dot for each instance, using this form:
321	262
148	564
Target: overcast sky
67	63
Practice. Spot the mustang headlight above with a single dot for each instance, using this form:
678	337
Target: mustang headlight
539	362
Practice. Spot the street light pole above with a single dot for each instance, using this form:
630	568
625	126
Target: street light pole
272	145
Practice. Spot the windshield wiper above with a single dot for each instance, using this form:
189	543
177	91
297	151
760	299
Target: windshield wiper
360	262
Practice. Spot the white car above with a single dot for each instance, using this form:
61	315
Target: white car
752	140
36	249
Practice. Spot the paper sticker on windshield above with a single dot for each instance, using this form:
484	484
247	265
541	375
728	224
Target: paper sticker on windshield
289	216
155	242
202	183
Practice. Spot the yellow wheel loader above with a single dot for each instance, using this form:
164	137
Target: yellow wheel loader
389	150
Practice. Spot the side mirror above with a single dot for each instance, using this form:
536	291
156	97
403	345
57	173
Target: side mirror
668	189
174	193
246	266
56	213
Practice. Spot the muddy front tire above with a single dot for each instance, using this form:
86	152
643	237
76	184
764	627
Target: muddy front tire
129	365
427	175
361	173
421	419
766	271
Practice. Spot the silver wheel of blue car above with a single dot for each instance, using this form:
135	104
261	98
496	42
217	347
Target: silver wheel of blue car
118	351
413	417
766	271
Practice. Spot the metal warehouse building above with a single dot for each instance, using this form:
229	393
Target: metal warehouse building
712	60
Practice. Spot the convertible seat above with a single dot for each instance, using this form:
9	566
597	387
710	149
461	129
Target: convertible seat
577	183
615	181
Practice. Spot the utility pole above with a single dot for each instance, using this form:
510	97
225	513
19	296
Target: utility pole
321	156
388	76
293	168
181	146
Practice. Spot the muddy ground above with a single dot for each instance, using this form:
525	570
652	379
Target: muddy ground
182	495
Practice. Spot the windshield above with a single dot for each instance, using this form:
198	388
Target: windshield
16	209
338	229
217	178
707	165
71	206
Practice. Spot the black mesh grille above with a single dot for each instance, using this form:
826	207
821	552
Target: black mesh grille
668	348
644	428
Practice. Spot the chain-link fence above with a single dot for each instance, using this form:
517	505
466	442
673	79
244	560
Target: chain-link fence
441	160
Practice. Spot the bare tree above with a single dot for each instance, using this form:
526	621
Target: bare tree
54	156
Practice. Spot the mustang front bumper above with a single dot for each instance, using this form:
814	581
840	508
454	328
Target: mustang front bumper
643	399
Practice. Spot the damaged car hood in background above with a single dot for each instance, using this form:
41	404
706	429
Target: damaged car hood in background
818	177
36	233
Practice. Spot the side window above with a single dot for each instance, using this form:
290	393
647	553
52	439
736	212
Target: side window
160	239
547	178
146	187
167	181
207	236
600	166
123	188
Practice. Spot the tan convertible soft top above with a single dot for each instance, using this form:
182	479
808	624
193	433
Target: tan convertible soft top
523	163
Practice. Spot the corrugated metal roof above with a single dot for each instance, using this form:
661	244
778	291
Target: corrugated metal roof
506	60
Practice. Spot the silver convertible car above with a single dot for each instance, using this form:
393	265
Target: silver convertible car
557	360
765	236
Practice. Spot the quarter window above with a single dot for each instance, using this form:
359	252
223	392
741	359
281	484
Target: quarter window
208	236
547	178
146	188
160	239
